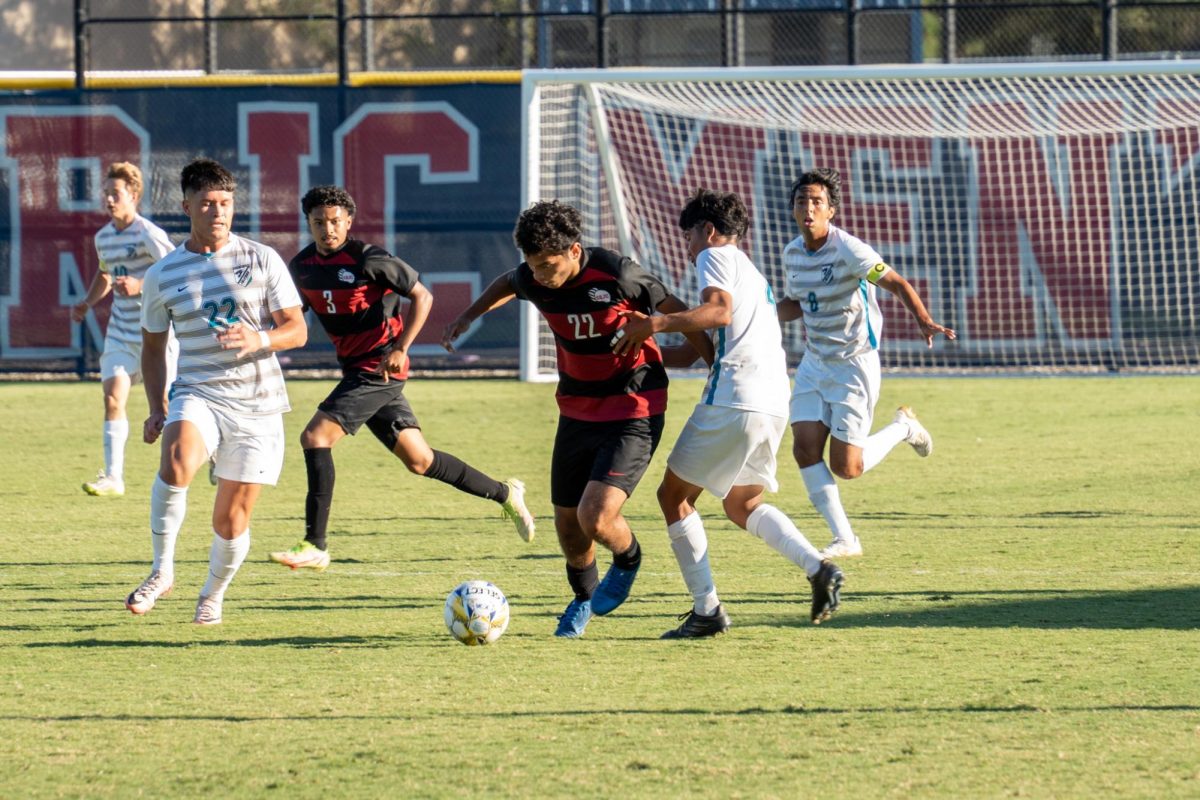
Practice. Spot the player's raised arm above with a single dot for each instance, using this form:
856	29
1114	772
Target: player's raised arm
498	292
895	283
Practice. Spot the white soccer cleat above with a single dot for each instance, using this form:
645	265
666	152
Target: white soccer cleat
208	611
918	437
105	486
304	555
843	548
143	598
514	508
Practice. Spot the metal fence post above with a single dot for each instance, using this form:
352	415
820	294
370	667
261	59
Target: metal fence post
1108	29
343	45
851	32
210	39
81	42
601	44
949	33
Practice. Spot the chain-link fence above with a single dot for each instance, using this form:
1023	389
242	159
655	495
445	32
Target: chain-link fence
345	36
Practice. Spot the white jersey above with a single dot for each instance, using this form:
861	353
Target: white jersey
835	287
129	253
750	368
196	293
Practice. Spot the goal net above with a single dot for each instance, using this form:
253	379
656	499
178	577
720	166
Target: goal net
1048	213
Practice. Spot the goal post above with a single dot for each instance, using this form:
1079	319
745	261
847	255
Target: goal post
1047	212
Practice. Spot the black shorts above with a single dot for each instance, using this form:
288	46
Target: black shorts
365	397
616	453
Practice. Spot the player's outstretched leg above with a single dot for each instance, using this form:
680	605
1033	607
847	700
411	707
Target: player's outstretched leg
918	437
826	591
153	589
514	508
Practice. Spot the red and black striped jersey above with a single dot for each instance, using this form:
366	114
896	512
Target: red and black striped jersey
356	294
594	383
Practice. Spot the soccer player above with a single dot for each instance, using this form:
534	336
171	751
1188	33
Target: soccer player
355	290
127	245
611	409
728	445
831	281
233	306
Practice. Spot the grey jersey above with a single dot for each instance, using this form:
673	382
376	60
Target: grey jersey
835	287
198	294
129	253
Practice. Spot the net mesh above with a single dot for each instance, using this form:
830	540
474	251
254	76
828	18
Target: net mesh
1049	219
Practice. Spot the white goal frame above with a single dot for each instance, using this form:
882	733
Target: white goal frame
1135	86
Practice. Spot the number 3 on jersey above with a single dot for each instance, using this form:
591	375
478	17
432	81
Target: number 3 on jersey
329	306
585	325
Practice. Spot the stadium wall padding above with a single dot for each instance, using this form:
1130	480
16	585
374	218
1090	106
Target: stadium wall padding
434	171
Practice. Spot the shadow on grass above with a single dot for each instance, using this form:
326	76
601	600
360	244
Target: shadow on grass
788	710
1176	608
298	642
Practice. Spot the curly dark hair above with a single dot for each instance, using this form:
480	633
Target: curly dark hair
548	227
204	174
328	196
831	179
724	210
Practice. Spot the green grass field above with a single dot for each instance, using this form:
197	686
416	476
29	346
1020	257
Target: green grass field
1025	622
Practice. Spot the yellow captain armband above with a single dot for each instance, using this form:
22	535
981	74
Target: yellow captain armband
877	272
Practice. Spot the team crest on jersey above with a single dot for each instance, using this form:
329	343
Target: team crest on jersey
345	276
598	295
827	273
130	250
243	275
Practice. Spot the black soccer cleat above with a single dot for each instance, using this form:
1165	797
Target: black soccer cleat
826	591
696	625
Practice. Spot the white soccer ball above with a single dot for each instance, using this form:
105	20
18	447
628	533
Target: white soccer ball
476	612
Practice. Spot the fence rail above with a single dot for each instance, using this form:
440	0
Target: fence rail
346	36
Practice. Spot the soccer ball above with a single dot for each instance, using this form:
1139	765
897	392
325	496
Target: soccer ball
476	612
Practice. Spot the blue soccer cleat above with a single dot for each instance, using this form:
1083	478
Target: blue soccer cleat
574	619
613	590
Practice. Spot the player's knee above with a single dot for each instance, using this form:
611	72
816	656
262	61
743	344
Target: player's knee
847	470
417	465
230	522
806	455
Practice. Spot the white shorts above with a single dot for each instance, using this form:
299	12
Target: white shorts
840	394
722	447
245	448
125	358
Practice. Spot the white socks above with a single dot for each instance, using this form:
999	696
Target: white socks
116	433
880	443
168	506
825	497
690	545
773	527
224	558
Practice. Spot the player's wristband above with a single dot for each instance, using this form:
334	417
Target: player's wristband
264	340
